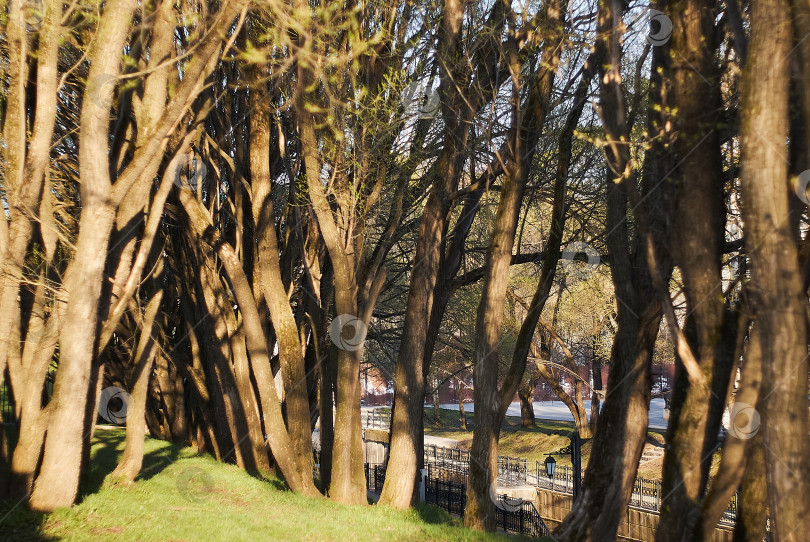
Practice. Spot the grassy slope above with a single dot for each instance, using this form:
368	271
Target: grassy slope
532	443
184	496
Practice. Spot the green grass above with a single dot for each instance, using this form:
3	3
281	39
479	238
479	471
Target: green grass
185	496
531	443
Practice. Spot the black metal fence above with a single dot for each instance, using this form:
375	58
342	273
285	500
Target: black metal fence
439	455
453	465
446	494
519	516
646	494
511	514
7	403
562	480
375	473
375	477
511	470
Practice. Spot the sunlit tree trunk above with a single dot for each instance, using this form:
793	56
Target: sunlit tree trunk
291	354
528	120
400	490
143	359
58	481
27	364
256	342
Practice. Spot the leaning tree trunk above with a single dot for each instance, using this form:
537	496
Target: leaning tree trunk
400	490
528	120
752	511
58	481
780	301
25	188
132	460
291	353
622	427
277	435
737	448
40	345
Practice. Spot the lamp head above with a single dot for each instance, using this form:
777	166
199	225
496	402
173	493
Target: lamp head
550	464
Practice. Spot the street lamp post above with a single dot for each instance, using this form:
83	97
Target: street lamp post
576	461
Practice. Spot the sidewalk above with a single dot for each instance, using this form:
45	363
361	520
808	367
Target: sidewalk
440	441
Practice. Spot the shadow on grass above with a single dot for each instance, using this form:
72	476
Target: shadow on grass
108	445
19	523
434	515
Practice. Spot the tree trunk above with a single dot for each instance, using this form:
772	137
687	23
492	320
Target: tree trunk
460	397
277	435
436	415
490	402
132	460
58	481
622	428
526	395
699	242
407	430
596	371
23	180
291	354
40	344
737	447
779	297
752	511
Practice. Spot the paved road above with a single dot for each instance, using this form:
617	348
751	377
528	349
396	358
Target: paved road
556	410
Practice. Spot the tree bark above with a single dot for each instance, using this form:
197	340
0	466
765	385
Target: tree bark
58	481
622	427
526	395
737	447
699	241
491	403
277	435
132	460
752	511
291	353
778	295
460	398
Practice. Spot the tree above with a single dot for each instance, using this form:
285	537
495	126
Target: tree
778	294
